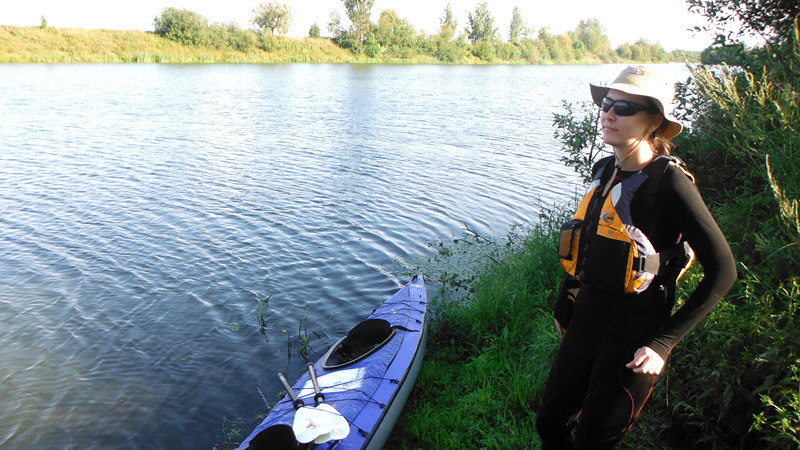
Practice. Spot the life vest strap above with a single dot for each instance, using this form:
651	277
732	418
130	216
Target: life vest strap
657	264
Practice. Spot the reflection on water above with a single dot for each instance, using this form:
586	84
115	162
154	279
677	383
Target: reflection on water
147	208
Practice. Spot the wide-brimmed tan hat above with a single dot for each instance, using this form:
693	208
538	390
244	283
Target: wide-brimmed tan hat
639	80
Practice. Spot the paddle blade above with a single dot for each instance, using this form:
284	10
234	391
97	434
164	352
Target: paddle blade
310	423
340	428
323	439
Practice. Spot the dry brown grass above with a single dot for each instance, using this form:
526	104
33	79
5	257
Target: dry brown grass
57	45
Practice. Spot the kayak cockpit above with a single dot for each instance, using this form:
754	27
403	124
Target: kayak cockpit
363	340
276	437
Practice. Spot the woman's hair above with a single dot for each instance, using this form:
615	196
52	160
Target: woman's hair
660	145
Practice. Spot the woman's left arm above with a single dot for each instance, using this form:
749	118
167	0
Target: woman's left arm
689	213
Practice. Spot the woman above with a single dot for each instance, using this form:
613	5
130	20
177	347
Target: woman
622	328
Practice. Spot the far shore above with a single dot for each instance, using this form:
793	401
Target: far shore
78	45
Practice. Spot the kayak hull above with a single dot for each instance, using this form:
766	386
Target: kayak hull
366	376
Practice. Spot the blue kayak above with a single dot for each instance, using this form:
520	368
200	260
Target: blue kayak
362	382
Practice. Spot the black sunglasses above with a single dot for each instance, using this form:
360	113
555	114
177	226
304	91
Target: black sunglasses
626	108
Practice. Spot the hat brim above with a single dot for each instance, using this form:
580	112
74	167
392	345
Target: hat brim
669	131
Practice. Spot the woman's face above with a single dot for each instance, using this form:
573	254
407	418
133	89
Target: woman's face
627	132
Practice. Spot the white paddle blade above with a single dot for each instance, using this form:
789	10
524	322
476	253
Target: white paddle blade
323	439
341	428
310	423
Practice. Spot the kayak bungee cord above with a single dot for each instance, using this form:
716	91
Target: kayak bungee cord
395	312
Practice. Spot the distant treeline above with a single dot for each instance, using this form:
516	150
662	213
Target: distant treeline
393	38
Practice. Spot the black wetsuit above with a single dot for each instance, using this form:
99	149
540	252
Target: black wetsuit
588	376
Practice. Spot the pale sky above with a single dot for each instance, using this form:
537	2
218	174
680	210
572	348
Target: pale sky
663	21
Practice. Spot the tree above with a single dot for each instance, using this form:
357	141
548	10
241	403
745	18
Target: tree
721	52
183	26
579	49
314	31
642	51
335	25
481	25
443	45
550	43
625	51
359	12
273	17
518	29
566	47
591	33
230	36
447	24
394	32
448	20
773	20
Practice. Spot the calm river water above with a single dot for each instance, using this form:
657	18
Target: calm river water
144	210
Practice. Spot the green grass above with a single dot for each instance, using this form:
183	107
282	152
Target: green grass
488	354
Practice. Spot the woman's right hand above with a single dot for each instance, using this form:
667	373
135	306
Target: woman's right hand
646	361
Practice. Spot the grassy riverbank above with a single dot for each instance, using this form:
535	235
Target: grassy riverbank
490	349
77	45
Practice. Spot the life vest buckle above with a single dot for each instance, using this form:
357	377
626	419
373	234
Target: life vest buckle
639	264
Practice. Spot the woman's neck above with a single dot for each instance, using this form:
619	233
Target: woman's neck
636	158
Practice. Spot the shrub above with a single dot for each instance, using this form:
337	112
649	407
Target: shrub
231	37
371	47
448	51
485	51
183	26
580	137
508	51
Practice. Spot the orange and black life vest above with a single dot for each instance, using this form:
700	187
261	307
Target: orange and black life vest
602	247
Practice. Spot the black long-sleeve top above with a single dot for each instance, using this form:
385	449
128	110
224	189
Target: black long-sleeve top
679	209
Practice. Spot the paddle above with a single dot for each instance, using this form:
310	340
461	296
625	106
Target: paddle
340	428
309	423
297	402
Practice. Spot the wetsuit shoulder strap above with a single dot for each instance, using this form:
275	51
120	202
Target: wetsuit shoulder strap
655	172
658	167
680	254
